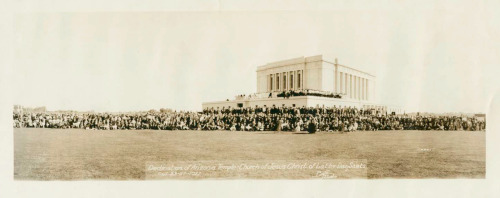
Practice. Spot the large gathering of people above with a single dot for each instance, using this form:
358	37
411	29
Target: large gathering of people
309	119
308	92
289	93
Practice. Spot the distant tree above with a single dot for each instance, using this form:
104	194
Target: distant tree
163	110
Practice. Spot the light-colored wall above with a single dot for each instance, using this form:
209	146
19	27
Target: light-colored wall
328	77
328	102
298	101
262	82
313	76
269	102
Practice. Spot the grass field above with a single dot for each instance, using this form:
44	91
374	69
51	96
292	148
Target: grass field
58	154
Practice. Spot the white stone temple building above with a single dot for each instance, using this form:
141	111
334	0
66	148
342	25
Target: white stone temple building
316	73
314	80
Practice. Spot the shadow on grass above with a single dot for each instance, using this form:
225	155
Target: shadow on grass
282	132
302	133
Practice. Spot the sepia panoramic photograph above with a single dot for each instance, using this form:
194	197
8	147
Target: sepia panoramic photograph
351	94
196	96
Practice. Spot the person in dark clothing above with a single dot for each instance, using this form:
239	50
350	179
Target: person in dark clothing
312	126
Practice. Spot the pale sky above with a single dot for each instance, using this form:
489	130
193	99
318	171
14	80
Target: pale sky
428	60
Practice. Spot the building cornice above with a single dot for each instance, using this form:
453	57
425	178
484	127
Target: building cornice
303	60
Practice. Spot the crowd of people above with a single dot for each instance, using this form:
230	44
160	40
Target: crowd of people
308	92
289	93
251	119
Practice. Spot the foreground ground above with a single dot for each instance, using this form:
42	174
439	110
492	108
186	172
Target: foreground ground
58	154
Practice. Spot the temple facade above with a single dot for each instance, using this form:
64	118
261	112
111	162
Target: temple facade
316	73
314	81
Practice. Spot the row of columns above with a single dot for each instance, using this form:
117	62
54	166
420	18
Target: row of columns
354	87
283	81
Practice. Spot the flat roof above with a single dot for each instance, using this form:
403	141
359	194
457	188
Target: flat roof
303	59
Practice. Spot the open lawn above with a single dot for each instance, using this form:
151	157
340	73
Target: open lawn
74	154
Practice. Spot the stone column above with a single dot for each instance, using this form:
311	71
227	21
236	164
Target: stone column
282	78
355	91
285	81
303	79
367	89
269	83
337	82
345	83
295	80
359	88
350	85
336	77
272	82
277	81
341	83
363	89
281	81
289	79
304	72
